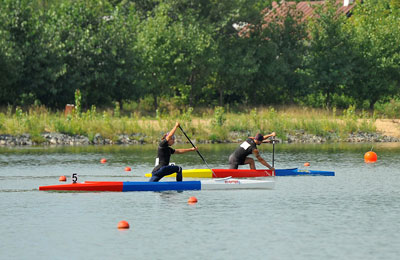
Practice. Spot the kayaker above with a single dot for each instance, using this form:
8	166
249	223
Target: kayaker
164	154
239	156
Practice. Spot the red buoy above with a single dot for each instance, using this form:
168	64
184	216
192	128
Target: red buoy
104	160
307	164
123	224
370	157
127	169
192	200
62	178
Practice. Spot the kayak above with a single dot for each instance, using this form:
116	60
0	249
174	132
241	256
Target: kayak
222	173
246	173
217	184
302	172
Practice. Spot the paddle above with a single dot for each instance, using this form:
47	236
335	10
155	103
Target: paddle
201	156
273	152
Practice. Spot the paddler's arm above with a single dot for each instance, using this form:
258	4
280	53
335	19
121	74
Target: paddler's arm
179	151
261	160
172	132
270	135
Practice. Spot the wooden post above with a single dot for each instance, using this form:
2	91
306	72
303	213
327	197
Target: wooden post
68	109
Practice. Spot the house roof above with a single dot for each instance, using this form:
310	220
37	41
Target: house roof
302	11
304	8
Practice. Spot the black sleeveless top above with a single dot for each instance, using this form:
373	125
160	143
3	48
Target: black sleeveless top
163	154
245	149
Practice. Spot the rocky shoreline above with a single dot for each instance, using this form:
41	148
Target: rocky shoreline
63	139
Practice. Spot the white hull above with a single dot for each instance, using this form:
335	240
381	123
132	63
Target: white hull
229	183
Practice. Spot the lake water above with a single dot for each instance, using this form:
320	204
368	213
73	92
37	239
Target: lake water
354	215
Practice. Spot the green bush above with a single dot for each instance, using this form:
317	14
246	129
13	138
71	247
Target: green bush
219	117
389	109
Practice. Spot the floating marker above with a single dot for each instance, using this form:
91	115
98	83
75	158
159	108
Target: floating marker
123	224
307	164
104	160
62	178
127	169
192	200
370	157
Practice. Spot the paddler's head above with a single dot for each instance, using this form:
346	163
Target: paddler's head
258	139
171	139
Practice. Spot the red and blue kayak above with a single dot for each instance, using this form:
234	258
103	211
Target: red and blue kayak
217	184
247	173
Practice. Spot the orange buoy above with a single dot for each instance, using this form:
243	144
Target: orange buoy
123	224
127	169
104	160
370	157
307	164
62	178
192	200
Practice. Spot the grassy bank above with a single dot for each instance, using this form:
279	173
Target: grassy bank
208	124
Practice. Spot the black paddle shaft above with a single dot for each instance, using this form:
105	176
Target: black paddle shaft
273	152
194	147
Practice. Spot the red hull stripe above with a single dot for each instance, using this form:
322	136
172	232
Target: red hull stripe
240	173
87	186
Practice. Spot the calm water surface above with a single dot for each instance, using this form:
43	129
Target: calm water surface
354	215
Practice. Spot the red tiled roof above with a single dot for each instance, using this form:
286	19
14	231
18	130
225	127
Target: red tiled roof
304	8
300	11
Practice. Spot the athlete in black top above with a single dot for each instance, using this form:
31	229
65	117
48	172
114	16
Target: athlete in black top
163	157
239	156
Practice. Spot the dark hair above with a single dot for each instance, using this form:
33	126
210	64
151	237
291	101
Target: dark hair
165	136
259	137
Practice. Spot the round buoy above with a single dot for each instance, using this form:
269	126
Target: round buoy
127	169
104	160
62	178
192	200
370	157
307	164
123	224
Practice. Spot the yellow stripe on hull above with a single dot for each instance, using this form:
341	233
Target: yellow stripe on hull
190	173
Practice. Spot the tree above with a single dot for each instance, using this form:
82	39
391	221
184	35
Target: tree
236	60
375	29
283	38
329	57
171	50
10	65
93	41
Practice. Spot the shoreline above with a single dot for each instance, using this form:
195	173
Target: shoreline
47	139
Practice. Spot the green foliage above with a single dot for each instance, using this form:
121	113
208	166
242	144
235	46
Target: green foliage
255	118
150	55
78	102
105	123
280	52
350	112
395	4
117	109
389	109
329	54
170	48
219	117
187	115
375	30
213	138
129	106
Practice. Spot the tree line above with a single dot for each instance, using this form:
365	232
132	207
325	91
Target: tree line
196	53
